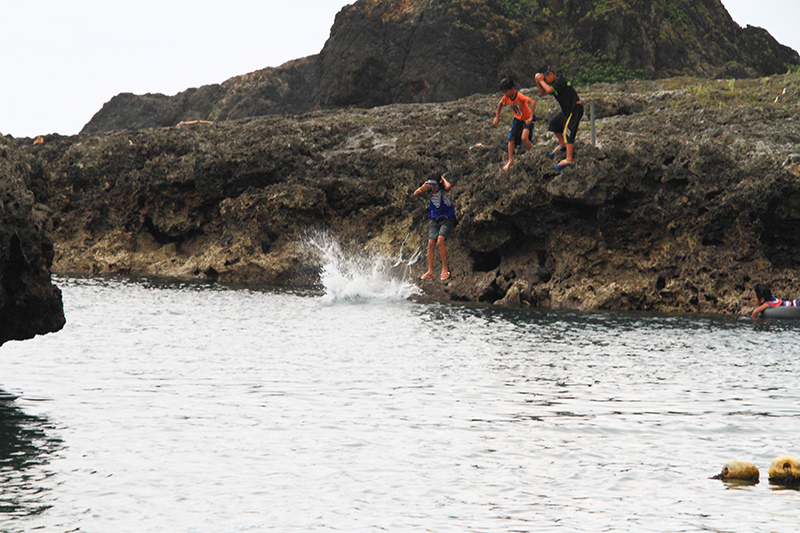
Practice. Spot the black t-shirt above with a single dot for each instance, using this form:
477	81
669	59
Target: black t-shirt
565	95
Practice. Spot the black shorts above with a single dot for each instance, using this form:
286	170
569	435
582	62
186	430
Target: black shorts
568	126
515	134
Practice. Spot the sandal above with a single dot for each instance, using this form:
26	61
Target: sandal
552	154
445	276
426	276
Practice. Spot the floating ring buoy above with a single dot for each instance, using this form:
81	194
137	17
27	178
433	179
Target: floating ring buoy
784	311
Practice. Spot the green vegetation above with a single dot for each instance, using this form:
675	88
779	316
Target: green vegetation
500	21
675	14
733	95
605	68
527	33
519	8
488	17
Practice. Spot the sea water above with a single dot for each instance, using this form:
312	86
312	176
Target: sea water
358	407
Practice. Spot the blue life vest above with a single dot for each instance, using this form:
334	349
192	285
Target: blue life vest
441	205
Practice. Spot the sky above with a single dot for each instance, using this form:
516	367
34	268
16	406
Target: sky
61	60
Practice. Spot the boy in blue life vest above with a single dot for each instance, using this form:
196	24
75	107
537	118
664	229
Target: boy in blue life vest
521	127
766	300
441	220
564	123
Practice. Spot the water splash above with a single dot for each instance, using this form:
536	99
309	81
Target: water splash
362	275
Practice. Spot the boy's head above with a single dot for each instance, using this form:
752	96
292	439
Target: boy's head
507	84
434	180
763	293
547	71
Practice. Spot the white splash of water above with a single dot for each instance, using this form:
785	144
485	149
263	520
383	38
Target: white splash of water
362	275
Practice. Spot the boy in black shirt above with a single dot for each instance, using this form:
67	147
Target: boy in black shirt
565	123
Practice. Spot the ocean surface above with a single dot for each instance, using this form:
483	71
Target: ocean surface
188	407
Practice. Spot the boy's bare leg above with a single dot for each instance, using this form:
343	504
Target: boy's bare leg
429	273
561	141
510	155
443	255
569	160
526	139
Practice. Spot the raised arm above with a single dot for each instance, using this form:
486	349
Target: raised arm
423	188
543	86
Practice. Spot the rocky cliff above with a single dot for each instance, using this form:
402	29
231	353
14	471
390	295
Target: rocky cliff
683	203
29	303
404	51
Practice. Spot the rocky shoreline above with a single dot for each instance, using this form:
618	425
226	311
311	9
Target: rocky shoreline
682	205
30	304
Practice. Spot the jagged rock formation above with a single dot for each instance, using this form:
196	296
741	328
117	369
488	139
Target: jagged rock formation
29	303
683	204
404	51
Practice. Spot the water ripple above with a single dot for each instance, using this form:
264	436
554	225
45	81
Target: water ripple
197	407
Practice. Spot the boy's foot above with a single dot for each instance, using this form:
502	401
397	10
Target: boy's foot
563	164
445	276
508	165
427	275
552	154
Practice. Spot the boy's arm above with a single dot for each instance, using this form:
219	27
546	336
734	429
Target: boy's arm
424	187
533	111
543	86
446	184
758	310
497	115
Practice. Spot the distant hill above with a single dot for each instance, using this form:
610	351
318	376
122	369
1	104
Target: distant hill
401	51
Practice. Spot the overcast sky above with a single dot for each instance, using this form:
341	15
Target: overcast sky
62	60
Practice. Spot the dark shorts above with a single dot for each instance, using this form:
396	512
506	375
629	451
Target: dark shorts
515	134
440	226
568	126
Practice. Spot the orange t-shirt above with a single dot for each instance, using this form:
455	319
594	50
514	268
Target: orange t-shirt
519	106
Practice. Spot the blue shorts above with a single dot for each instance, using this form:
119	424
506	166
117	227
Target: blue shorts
440	226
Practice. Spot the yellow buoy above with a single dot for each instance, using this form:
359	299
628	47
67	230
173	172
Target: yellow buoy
738	471
785	470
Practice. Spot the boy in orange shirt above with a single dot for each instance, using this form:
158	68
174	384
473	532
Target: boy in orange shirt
522	126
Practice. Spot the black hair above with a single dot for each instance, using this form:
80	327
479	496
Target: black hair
544	69
436	176
506	84
763	292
